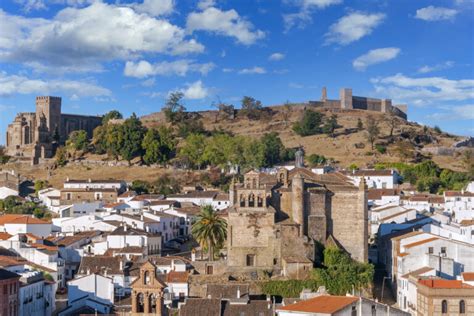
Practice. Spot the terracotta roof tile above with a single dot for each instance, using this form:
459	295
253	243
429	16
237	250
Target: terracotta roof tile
418	272
20	219
4	236
324	304
467	222
445	284
468	276
177	277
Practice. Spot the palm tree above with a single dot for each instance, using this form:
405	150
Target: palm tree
209	230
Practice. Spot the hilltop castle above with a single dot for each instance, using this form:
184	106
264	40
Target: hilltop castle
35	135
349	102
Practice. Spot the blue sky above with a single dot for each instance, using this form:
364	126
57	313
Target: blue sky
129	55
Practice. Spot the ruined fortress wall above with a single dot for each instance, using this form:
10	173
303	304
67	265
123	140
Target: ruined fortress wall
370	104
71	122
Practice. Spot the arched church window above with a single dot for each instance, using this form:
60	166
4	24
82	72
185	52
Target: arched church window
251	200
242	200
259	201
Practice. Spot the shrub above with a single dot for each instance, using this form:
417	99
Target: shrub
381	148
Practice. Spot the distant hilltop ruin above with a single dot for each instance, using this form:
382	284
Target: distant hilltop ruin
349	102
35	135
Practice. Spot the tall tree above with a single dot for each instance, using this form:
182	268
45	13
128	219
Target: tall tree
251	108
330	125
273	147
209	230
372	130
78	140
310	124
174	108
133	133
360	125
112	115
151	147
193	149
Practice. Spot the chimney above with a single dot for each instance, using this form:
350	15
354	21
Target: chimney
105	272
89	180
67	179
88	271
125	228
141	217
121	265
238	292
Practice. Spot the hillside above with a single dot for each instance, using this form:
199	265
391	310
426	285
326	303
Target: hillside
341	148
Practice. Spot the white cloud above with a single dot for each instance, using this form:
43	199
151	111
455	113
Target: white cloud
148	83
254	70
276	56
17	84
442	66
295	85
227	23
353	27
423	91
461	112
227	70
155	7
375	56
432	13
31	5
144	69
88	36
306	8
195	91
204	4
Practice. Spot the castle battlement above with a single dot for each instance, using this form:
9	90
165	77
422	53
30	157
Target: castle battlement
348	101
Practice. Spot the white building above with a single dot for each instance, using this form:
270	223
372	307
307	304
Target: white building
424	202
36	295
93	291
415	251
463	231
379	197
118	185
177	285
389	214
50	198
378	179
200	198
125	236
24	224
460	204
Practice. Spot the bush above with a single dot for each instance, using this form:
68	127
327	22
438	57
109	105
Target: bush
381	148
437	129
315	160
310	124
289	288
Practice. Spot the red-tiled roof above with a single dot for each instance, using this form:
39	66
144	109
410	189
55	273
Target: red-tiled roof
468	276
418	272
458	193
177	277
445	284
376	194
20	219
4	236
325	304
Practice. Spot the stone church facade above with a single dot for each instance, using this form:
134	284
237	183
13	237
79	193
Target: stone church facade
35	135
284	217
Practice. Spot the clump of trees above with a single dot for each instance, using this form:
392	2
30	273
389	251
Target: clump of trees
427	176
163	185
221	149
14	205
315	160
339	273
313	123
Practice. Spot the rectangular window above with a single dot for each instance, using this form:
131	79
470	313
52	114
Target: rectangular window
443	250
430	250
250	260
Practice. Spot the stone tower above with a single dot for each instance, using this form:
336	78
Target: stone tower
346	98
297	201
324	94
49	108
251	236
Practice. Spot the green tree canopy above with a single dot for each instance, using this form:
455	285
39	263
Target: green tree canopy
330	125
251	108
133	133
174	108
310	124
78	140
193	150
112	115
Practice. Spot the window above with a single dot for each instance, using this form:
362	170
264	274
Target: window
430	250
374	310
354	311
462	307
444	307
68	196
443	250
250	260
